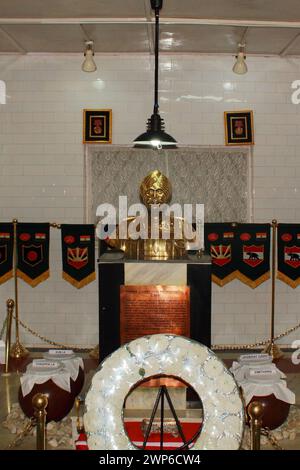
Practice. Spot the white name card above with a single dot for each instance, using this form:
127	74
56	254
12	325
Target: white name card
60	352
254	357
42	364
256	372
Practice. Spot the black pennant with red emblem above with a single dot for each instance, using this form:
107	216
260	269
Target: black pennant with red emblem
78	254
33	252
220	243
253	251
288	254
6	251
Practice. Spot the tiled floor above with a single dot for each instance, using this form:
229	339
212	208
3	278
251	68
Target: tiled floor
9	390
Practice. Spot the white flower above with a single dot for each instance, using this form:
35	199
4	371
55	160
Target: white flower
233	404
158	344
198	352
152	366
139	347
213	368
227	383
227	443
179	345
232	424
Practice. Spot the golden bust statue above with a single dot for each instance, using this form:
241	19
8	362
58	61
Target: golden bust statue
155	192
155	189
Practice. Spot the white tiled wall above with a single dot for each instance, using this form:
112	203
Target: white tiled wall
41	172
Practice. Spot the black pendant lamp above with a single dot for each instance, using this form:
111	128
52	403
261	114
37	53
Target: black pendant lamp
155	136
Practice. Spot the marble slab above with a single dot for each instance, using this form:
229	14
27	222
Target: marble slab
143	274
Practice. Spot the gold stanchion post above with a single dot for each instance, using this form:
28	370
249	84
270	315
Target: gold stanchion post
40	403
272	348
255	411
17	350
10	308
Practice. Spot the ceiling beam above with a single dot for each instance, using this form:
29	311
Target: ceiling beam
284	51
85	33
13	40
163	20
150	32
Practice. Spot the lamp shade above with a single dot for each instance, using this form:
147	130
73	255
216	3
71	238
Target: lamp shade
155	136
240	67
89	63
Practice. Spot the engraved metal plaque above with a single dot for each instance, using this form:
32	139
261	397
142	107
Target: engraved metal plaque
148	310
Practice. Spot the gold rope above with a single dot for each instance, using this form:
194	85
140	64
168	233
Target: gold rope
271	438
214	346
19	437
254	345
46	340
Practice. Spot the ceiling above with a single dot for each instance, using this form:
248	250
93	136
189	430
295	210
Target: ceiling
116	26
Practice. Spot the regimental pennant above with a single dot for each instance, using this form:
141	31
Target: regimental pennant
253	260
78	254
33	241
6	251
220	243
288	254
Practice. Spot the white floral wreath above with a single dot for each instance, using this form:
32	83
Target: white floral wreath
170	355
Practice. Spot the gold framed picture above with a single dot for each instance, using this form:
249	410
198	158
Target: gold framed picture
238	128
97	126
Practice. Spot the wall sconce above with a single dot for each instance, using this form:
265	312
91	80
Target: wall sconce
89	64
240	66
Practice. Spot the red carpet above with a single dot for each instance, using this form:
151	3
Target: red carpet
171	442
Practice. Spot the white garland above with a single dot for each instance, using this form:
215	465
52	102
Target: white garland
173	356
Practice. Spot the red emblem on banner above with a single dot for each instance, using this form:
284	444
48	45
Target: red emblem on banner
286	237
25	237
77	257
253	255
221	254
292	256
32	254
245	237
69	239
212	237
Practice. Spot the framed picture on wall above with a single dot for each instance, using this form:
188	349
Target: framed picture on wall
97	126
238	127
